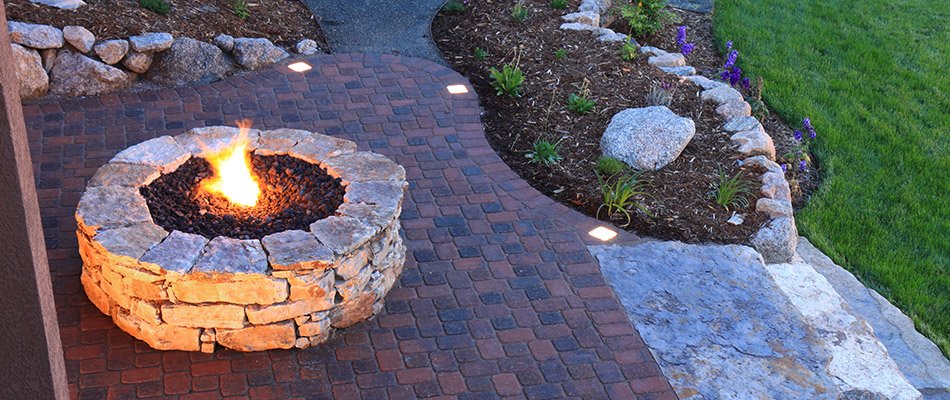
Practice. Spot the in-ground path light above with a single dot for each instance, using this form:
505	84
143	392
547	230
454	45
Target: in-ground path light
183	253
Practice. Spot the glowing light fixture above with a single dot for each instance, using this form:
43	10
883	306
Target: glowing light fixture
457	89
602	233
299	67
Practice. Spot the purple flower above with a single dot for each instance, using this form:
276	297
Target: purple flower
746	84
806	124
802	165
731	60
724	76
687	48
784	167
681	35
735	76
798	135
729	45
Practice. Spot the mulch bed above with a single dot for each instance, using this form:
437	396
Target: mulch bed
294	194
284	22
678	194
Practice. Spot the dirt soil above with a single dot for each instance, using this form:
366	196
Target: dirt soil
678	196
284	22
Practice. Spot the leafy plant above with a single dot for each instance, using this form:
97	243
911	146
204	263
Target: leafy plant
731	191
240	9
659	96
454	6
754	98
558	4
157	6
620	195
609	166
579	103
560	54
798	154
519	12
545	152
480	54
647	17
507	81
628	51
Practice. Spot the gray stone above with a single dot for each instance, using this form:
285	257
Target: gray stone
704	82
213	139
597	6
131	241
189	61
653	51
112	51
177	253
918	358
49	57
151	42
31	76
577	26
716	323
306	47
681	71
122	174
162	152
755	142
224	42
61	4
612	37
736	219
279	141
79	37
734	109
138	62
776	241
647	138
107	207
584	17
763	163
667	60
74	74
296	249
370	214
774	208
775	186
35	35
364	166
254	53
381	193
721	94
742	124
342	234
232	256
318	148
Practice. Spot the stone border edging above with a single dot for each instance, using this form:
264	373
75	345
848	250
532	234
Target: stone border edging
778	238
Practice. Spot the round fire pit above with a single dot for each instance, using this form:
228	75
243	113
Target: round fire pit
183	270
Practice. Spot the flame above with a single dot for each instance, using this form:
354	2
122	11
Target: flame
233	178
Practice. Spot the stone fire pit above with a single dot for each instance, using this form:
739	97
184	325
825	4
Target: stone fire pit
185	291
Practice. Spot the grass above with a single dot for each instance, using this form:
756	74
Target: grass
871	74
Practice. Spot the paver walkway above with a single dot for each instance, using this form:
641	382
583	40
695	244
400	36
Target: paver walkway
500	297
379	26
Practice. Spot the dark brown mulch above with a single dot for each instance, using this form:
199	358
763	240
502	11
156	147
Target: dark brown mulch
282	21
294	194
678	195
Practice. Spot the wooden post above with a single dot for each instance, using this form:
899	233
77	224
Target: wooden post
31	354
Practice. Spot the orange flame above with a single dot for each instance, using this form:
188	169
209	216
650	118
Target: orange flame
233	178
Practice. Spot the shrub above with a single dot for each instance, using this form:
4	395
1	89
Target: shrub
609	166
157	6
240	9
558	4
507	81
519	12
544	152
560	54
621	195
731	191
579	103
659	96
454	6
628	51
480	54
647	17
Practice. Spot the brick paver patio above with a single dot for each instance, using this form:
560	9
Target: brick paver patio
500	297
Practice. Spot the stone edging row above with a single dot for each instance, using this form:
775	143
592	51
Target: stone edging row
778	238
70	61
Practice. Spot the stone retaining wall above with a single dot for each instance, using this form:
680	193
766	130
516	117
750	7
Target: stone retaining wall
180	291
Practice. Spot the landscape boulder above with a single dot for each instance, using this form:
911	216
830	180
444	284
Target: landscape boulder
306	47
138	62
29	72
35	36
61	4
777	240
74	74
254	53
112	51
224	42
147	42
190	61
647	138
79	37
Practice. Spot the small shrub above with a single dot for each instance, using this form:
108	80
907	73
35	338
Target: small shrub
480	54
579	103
647	17
560	54
659	96
609	166
545	152
240	9
519	12
507	81
558	4
628	51
621	195
156	6
731	191
454	6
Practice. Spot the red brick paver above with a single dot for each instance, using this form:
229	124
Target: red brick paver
499	298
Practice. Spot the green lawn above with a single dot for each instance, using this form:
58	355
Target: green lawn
873	77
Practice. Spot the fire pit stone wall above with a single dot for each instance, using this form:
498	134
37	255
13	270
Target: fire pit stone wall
182	291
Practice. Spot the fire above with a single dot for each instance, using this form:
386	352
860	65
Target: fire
233	177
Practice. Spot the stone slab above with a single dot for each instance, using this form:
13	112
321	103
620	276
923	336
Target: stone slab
296	249
233	256
177	253
228	288
162	152
342	234
131	241
261	337
106	207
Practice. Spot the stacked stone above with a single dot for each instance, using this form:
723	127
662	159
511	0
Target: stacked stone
180	291
69	62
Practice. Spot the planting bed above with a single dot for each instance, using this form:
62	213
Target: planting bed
678	195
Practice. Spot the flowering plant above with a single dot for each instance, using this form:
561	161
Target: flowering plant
732	75
797	157
685	48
